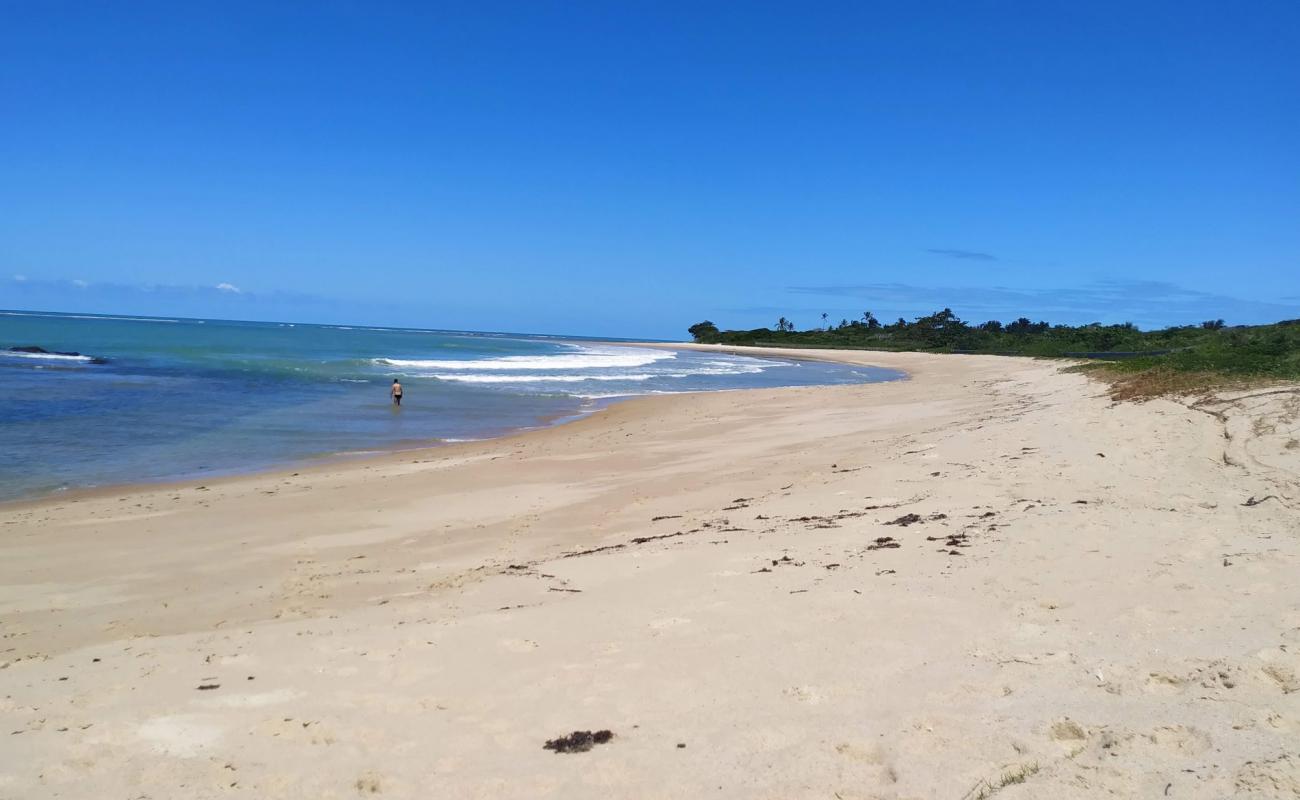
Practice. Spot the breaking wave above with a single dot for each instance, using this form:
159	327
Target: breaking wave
544	378
579	369
46	356
586	358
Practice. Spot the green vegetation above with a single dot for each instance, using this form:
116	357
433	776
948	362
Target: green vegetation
986	789
1173	359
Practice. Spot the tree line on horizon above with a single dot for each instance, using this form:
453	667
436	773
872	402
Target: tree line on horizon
1211	345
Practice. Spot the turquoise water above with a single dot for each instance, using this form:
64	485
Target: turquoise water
157	399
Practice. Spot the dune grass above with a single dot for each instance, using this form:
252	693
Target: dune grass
986	789
1163	381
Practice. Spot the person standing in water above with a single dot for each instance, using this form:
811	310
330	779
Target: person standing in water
396	392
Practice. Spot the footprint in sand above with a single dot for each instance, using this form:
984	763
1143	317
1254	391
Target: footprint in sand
1157	743
181	735
1277	722
1283	676
1179	738
1275	777
518	645
811	695
869	753
1164	683
258	700
668	622
1067	731
1281	667
308	731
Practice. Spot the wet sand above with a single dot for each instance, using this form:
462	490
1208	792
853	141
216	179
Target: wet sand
986	579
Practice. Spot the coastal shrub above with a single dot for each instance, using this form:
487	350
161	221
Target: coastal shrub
702	331
1209	353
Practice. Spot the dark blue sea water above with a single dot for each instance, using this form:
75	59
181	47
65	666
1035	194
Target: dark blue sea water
179	398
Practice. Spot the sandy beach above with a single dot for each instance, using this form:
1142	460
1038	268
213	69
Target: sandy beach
985	580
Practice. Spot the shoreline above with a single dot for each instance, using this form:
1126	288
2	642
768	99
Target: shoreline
418	447
291	468
900	589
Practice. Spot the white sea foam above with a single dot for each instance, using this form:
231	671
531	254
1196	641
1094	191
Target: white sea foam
579	365
604	395
636	376
585	358
640	393
735	369
44	356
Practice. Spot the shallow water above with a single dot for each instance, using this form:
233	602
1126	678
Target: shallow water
182	398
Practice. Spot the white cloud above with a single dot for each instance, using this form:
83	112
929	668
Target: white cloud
20	278
229	287
79	283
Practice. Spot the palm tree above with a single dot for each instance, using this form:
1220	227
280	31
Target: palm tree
784	324
825	324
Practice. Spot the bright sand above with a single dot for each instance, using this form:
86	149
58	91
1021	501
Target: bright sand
1086	607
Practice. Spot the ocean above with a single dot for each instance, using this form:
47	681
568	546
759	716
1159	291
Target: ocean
118	400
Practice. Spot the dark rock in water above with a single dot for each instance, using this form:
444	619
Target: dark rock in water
41	351
578	741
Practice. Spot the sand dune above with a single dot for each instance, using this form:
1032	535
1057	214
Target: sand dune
985	580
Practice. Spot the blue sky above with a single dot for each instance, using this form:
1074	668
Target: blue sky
629	168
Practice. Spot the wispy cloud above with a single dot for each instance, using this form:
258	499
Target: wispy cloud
965	255
224	300
77	287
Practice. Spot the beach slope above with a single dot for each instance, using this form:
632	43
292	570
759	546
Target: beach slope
984	580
